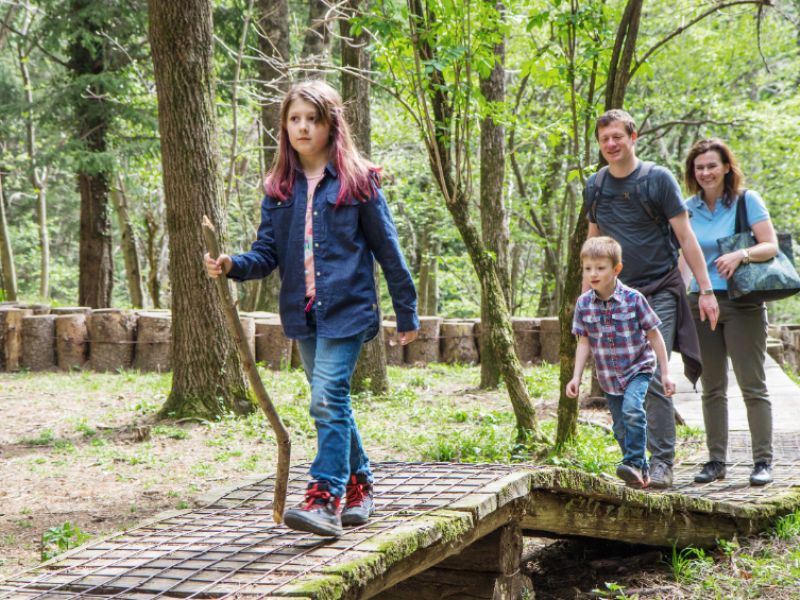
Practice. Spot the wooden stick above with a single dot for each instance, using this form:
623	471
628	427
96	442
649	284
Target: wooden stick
281	434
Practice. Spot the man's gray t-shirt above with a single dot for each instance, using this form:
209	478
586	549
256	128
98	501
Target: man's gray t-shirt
645	255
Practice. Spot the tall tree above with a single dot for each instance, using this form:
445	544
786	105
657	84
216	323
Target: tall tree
318	39
208	379
273	46
370	372
6	252
494	220
127	242
88	64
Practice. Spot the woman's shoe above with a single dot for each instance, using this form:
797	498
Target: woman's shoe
712	471
762	474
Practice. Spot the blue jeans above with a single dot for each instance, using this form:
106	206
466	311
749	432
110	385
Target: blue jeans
630	420
329	365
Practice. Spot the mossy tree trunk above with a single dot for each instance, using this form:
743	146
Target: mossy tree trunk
370	372
619	75
208	379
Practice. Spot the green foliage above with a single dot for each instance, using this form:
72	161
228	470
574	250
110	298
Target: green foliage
45	438
788	528
688	564
60	539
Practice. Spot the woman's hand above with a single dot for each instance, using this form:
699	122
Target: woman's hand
214	267
406	337
728	263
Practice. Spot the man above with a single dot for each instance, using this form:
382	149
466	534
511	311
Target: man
641	206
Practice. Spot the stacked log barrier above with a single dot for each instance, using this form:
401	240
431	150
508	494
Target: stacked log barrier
550	339
527	339
273	348
458	344
12	329
112	333
394	350
38	309
425	349
154	347
72	335
38	342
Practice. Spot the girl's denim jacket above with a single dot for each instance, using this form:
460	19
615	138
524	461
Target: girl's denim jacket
345	240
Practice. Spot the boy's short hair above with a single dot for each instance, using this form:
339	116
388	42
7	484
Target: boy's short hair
612	116
602	247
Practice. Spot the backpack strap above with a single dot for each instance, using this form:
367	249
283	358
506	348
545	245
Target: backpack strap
597	188
643	193
742	226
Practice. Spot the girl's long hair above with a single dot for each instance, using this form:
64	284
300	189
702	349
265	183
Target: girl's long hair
359	177
734	178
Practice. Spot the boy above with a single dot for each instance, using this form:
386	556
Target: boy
622	331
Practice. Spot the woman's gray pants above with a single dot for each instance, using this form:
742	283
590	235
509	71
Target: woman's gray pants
741	333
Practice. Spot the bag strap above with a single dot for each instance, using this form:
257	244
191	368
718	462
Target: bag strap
597	188
643	192
742	225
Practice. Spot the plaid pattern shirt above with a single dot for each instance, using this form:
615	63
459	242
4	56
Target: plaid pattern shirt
616	329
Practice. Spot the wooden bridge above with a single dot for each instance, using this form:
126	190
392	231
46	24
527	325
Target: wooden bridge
439	525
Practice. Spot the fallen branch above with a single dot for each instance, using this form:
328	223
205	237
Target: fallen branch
249	363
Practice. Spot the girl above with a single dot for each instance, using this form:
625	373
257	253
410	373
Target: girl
323	219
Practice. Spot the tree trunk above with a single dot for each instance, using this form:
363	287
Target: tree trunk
87	61
318	39
153	282
208	379
494	224
619	74
6	253
370	372
133	272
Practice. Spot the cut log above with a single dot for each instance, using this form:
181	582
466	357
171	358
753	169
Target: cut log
775	350
550	338
425	349
38	309
38	342
249	326
72	346
112	333
272	347
12	329
71	310
154	347
394	351
498	552
526	339
458	344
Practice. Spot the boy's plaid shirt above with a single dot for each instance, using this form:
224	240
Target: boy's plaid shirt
617	335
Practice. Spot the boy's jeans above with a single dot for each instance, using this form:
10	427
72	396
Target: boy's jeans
329	365
630	420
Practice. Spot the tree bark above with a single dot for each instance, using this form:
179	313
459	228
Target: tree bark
318	40
619	75
370	372
6	252
133	271
208	379
494	221
87	61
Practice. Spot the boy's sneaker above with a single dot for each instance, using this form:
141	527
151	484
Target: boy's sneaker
633	476
359	505
318	513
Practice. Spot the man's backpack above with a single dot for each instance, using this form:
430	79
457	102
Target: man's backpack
642	191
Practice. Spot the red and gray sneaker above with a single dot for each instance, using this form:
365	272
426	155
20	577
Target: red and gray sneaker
359	505
318	513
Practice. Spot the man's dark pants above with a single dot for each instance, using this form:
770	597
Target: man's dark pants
660	409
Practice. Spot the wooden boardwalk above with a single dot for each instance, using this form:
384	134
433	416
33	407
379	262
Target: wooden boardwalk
427	513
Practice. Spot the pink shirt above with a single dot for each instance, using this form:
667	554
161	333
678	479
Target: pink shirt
308	243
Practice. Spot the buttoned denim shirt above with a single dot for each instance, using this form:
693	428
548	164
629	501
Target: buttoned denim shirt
346	238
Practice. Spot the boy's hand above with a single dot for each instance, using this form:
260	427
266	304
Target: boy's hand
406	337
214	267
669	385
573	387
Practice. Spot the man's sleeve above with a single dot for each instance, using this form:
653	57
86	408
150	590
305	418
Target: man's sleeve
666	193
648	319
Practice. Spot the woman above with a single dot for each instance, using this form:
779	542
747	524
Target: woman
713	175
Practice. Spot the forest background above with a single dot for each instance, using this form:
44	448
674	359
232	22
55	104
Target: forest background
477	109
